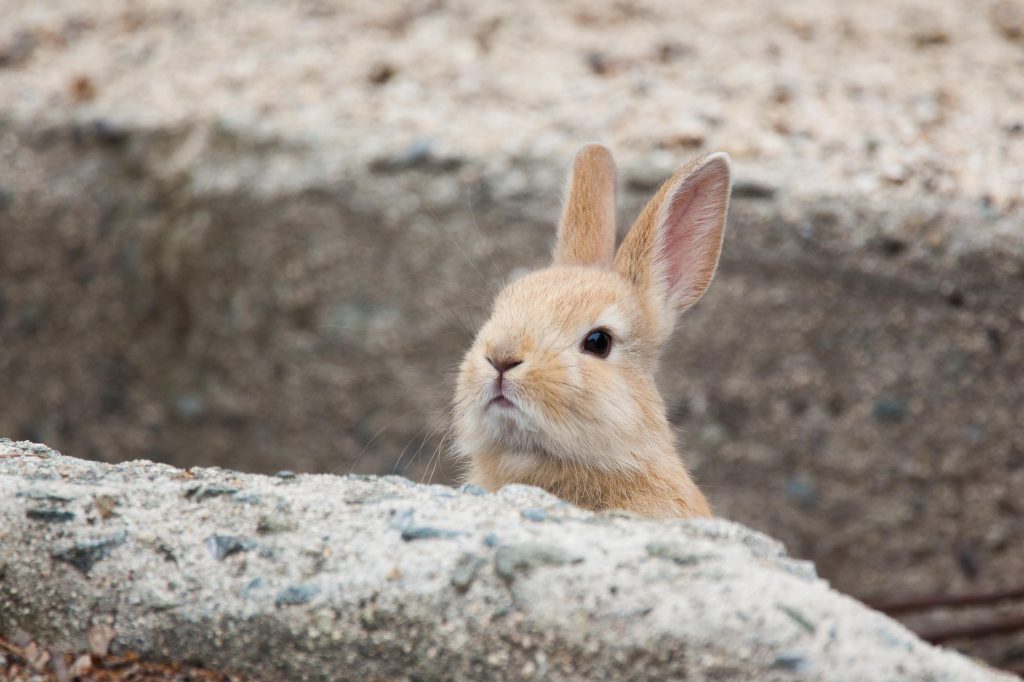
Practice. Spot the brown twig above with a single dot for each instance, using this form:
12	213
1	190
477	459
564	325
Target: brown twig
975	630
934	601
13	650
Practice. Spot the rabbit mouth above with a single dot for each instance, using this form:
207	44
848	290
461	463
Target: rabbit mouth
502	403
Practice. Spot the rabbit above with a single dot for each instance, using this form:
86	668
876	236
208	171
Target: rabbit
558	389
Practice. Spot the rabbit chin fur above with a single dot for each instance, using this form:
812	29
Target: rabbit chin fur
593	430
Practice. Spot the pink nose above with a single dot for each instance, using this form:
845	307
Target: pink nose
504	364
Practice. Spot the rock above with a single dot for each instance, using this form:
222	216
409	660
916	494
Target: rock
602	592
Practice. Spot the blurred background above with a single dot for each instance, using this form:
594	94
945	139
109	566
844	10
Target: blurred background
259	235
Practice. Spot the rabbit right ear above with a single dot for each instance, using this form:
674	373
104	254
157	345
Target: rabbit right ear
672	249
586	233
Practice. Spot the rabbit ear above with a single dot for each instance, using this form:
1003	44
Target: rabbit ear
673	247
586	233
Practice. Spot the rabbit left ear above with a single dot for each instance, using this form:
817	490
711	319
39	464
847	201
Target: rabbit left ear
672	249
586	232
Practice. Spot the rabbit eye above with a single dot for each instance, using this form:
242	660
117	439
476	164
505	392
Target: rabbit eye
598	342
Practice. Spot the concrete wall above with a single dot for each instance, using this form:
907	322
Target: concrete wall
326	577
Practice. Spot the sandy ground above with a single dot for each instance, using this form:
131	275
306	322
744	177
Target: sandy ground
906	98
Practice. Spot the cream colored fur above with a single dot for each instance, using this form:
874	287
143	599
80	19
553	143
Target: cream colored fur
594	430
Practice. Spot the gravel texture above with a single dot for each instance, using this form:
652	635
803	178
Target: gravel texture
316	577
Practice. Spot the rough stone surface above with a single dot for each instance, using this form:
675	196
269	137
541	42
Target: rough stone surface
258	236
345	594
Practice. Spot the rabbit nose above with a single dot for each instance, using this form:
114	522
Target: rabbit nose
504	364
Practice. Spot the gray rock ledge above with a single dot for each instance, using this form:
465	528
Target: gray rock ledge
326	577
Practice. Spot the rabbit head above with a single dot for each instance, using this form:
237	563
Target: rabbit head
563	372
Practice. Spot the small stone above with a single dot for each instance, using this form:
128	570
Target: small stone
253	585
380	73
50	515
269	525
204	492
801	491
492	540
296	594
1008	18
791	661
419	155
712	435
511	560
43	496
85	555
928	32
954	363
37	658
890	410
109	134
427	533
797	618
674	553
402	519
471	489
465	571
223	546
100	637
647	174
967	559
534	514
81	666
752	189
672	50
17	49
105	506
189	405
82	88
598	62
285	474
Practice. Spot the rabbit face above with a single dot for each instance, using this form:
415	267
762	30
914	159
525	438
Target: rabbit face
560	370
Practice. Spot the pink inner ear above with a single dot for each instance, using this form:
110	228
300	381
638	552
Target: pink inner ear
691	234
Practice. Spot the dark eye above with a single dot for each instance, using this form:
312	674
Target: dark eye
598	342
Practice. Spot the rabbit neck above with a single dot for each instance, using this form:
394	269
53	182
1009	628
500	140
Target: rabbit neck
659	486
